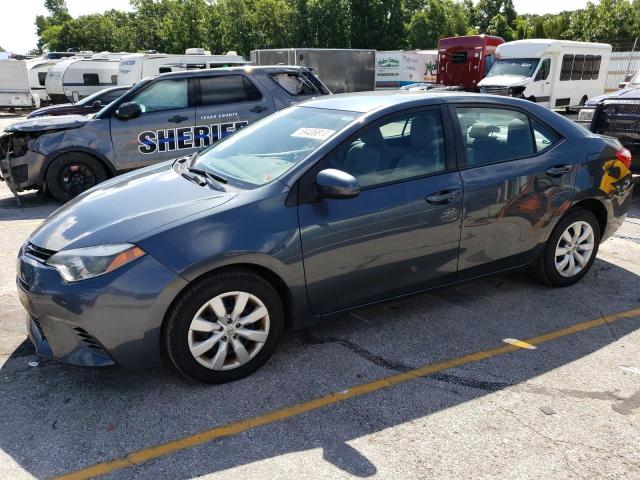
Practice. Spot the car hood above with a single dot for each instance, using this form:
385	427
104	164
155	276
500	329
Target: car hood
126	208
42	124
52	108
630	93
505	80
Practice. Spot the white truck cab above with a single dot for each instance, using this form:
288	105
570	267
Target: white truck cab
554	73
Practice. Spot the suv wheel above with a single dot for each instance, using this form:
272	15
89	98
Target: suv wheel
224	327
72	173
570	250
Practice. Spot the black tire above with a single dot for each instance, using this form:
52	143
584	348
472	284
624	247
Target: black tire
64	183
177	323
544	269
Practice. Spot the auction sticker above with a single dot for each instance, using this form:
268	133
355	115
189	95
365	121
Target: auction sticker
314	133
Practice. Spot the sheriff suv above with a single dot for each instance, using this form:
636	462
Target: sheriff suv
158	119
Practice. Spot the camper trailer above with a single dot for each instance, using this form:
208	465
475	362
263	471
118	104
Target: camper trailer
342	70
136	66
554	73
397	69
75	78
37	69
464	61
14	85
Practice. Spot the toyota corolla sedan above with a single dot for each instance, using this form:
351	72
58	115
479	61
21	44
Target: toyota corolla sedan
322	207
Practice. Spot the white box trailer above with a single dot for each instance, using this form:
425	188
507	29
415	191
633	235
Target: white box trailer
136	66
340	69
554	73
75	78
14	85
395	69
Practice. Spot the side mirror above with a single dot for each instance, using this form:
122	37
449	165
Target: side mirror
337	184
96	105
128	110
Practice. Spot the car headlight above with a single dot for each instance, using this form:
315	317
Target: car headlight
82	263
586	114
516	91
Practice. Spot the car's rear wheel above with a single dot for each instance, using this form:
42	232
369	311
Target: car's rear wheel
570	250
72	173
224	327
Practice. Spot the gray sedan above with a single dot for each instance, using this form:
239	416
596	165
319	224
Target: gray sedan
326	206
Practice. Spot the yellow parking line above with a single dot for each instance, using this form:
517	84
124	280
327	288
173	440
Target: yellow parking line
146	454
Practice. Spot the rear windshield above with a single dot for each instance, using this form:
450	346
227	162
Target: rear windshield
265	150
521	67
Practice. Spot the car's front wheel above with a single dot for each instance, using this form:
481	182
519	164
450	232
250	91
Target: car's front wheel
72	173
570	250
224	327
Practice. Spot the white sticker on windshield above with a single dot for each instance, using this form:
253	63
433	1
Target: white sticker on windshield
315	133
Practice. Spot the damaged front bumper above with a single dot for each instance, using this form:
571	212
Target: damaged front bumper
20	167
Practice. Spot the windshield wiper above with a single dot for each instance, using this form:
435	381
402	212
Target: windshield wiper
207	173
194	177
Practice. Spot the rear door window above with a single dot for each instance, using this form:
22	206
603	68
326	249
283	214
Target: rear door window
294	83
492	135
222	89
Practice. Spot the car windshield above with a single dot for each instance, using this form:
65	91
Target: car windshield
263	151
522	67
635	80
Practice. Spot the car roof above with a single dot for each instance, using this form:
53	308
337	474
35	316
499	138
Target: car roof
242	69
365	102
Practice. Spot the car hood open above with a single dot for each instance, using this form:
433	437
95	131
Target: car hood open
125	208
42	124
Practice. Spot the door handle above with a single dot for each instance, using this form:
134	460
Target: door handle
444	197
178	119
258	109
558	170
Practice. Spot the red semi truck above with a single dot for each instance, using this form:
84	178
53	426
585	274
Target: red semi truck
464	61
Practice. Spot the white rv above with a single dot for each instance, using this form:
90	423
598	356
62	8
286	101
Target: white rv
137	66
75	78
38	69
14	86
554	73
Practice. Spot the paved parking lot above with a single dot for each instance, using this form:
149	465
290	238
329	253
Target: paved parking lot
393	391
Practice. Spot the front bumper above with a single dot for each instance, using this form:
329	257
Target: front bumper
114	318
19	166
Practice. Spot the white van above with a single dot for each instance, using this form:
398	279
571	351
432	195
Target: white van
75	78
554	73
136	66
14	86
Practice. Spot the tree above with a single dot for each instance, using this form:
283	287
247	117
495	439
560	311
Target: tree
486	10
499	26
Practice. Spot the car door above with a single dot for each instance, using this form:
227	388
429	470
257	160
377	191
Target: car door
225	103
541	86
401	234
163	130
517	177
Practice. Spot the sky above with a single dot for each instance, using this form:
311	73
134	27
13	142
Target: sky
18	32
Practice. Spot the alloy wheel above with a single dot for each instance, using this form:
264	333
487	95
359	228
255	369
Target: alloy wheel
229	330
574	248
